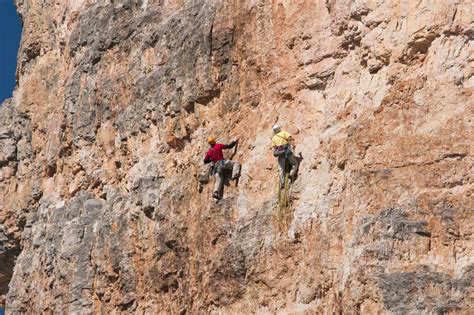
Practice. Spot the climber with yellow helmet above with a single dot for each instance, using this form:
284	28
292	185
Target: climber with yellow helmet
215	156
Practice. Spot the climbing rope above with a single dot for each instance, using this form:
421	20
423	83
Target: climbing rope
284	205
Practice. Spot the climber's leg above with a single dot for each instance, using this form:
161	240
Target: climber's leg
294	165
218	185
235	170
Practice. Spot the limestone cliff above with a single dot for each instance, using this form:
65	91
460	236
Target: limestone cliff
103	141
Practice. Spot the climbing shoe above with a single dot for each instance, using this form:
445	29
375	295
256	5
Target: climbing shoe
292	177
216	195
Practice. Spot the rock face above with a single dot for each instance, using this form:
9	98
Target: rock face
103	141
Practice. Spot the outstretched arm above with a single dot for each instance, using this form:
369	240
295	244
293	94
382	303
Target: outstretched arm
231	145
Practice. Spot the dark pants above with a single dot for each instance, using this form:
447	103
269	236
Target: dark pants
282	160
222	167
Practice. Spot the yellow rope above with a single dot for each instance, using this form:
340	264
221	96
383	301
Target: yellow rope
283	214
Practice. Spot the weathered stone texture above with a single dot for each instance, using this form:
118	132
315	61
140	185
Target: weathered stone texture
103	140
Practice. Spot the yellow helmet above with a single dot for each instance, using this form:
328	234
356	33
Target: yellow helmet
211	140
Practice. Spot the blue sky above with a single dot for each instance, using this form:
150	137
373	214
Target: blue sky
10	33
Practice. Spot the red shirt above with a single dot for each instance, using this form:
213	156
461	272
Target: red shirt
215	153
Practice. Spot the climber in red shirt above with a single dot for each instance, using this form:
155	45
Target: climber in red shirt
215	156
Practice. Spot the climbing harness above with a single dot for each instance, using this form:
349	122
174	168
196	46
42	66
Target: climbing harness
280	150
220	166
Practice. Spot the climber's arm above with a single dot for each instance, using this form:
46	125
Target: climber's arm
207	158
231	145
